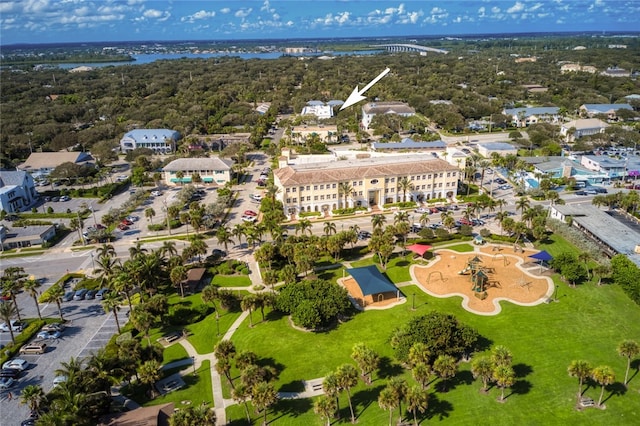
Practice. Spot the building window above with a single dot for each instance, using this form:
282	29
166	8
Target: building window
374	181
424	177
321	186
293	189
386	191
428	176
333	186
440	185
315	198
393	190
308	198
448	174
315	187
322	197
441	174
355	183
453	174
422	186
413	178
288	200
334	196
287	189
360	193
308	187
360	183
393	179
418	177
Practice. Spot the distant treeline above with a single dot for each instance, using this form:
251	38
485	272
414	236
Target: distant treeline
61	58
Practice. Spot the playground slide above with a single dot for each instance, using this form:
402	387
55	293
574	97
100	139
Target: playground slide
465	270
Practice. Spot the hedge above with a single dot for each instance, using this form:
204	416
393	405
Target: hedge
27	333
346	211
162	226
309	214
44	296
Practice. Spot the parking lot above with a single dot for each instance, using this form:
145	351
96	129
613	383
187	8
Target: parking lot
89	329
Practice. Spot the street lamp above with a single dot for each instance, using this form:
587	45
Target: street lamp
217	322
93	264
555	294
193	358
413	301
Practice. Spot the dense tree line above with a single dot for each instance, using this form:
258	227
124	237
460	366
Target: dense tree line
52	110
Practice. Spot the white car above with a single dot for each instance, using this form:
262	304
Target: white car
16	364
256	197
6	382
422	210
58	380
156	193
15	326
247	218
48	335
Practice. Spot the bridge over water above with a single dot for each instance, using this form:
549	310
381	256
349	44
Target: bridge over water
409	48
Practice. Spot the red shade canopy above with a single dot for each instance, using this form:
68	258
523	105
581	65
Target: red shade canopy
420	249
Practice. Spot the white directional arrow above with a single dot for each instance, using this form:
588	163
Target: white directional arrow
356	95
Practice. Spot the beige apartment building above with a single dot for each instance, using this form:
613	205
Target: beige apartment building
319	187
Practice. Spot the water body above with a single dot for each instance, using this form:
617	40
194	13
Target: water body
147	58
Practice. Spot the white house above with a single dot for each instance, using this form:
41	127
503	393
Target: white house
320	110
161	141
17	191
523	117
212	171
372	109
575	129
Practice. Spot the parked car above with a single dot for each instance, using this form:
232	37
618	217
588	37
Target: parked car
16	326
16	364
10	372
102	293
434	210
47	335
256	197
91	294
56	326
133	218
55	199
219	253
37	348
68	296
123	227
126	222
246	218
250	213
58	380
80	294
581	192
156	193
65	198
6	382
422	210
363	235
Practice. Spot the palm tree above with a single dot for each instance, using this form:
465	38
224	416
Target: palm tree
193	415
417	400
399	390
483	368
55	294
421	372
178	275
448	220
150	213
504	377
329	228
331	388
7	313
31	286
404	185
344	190
264	395
366	359
150	374
585	257
76	224
303	225
387	401
325	406
522	204
142	320
580	369
445	367
111	303
224	352
424	219
32	396
179	176
604	376
12	282
241	395
210	295
378	221
169	248
239	231
628	349
501	355
224	237
248	303
347	377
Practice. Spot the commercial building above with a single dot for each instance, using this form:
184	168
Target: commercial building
212	171
318	109
523	117
160	141
17	191
372	109
613	168
408	144
26	236
43	163
576	129
370	182
325	133
500	148
591	110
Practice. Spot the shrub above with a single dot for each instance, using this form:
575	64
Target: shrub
309	214
27	333
182	315
348	211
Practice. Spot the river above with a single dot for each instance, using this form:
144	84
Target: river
147	58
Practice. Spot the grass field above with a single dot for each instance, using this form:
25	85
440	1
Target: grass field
587	322
231	281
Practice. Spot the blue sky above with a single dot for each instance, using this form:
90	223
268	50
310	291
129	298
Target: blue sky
48	21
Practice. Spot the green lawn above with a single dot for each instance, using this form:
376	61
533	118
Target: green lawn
197	389
588	322
231	281
397	268
174	352
204	334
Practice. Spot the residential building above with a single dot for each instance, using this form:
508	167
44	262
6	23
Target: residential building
522	117
318	109
326	133
575	129
17	191
567	167
613	168
43	163
501	148
212	171
26	236
613	236
372	109
160	141
577	68
408	144
372	182
616	72
591	110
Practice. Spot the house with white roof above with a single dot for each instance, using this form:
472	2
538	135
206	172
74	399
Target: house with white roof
523	117
575	129
17	191
212	171
591	110
319	109
372	109
160	141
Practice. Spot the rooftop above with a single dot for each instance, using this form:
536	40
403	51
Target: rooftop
497	146
408	143
585	123
532	111
209	163
388	108
606	107
159	134
51	160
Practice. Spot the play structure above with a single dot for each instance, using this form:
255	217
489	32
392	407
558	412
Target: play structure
479	277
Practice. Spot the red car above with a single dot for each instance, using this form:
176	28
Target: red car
250	213
126	222
123	227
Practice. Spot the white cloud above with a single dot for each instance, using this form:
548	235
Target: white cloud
267	7
481	12
495	9
243	13
198	16
516	8
225	10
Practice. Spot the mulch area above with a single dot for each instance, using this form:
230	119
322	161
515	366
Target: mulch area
507	280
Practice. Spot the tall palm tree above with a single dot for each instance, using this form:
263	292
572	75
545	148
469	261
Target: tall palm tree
210	295
604	376
378	221
504	377
169	249
401	217
12	282
264	395
193	415
417	400
31	286
178	275
445	367
580	369
404	185
106	250
241	395
366	359
32	396
344	190
424	219
238	231
303	225
111	302
331	388
522	204
347	377
482	367
248	303
421	372
224	237
149	374
55	294
76	224
628	349
325	406
329	228
500	355
388	401
8	313
149	214
399	390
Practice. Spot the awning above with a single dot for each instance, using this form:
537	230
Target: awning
207	179
420	249
543	256
371	281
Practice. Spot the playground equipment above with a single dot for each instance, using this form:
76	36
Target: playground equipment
442	278
479	278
